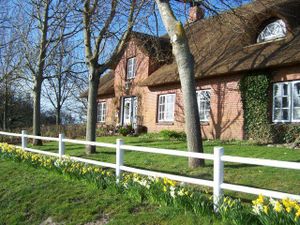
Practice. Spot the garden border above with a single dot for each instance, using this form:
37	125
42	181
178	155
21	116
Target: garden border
218	158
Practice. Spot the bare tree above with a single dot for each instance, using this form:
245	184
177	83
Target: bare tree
63	78
39	36
10	62
97	33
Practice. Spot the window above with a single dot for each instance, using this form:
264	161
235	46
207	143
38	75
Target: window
101	111
203	100
286	102
131	68
166	106
272	31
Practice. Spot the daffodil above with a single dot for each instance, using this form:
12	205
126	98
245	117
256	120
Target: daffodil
165	189
278	207
298	213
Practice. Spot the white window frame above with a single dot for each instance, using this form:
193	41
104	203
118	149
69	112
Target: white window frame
292	103
199	100
162	108
290	96
131	66
278	26
101	115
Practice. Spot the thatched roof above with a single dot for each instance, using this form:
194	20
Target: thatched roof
156	47
226	44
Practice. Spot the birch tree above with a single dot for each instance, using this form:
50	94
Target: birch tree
115	25
185	63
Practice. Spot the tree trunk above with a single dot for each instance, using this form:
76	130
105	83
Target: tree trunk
92	109
38	79
58	117
59	105
185	63
5	107
37	111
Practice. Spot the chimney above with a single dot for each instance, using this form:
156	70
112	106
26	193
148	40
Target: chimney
196	13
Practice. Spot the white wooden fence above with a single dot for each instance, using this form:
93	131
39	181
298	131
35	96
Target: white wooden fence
218	158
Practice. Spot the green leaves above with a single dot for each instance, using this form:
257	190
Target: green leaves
255	92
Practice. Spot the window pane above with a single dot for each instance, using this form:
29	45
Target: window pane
101	111
276	90
296	114
130	68
285	114
202	116
285	102
277	102
282	105
166	107
202	107
207	105
203	100
296	89
285	89
296	100
274	30
207	114
277	114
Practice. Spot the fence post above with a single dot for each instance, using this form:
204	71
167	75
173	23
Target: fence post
119	159
24	139
218	175
61	145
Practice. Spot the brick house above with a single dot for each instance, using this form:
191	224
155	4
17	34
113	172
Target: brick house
144	89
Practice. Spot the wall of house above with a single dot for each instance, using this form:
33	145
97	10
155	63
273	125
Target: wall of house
110	117
142	71
286	74
226	121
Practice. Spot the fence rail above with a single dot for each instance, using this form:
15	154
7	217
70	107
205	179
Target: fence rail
218	159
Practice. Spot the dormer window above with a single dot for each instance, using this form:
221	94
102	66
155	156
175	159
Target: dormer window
131	62
274	30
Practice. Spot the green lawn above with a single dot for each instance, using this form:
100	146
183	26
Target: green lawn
31	196
264	177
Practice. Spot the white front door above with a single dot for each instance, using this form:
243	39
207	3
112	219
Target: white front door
130	111
134	112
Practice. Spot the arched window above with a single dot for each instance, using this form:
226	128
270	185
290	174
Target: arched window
272	31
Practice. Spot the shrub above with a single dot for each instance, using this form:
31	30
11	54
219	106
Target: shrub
286	133
255	96
105	130
125	130
173	135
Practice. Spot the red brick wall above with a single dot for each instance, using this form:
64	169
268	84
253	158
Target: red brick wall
286	74
226	120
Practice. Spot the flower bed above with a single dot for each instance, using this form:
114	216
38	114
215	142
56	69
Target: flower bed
283	212
165	192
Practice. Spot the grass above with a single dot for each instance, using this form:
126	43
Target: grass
30	196
264	177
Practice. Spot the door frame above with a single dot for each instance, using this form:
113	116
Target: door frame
132	97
